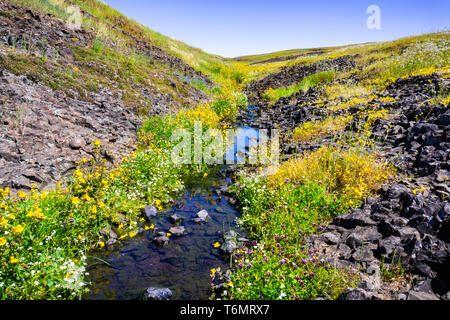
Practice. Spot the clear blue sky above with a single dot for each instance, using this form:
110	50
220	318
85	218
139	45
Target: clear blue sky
232	28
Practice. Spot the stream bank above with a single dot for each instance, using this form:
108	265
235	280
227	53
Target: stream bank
184	264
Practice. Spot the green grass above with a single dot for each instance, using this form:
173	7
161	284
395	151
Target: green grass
308	82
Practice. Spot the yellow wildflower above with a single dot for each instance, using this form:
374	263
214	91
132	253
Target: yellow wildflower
2	241
3	221
13	260
18	229
216	245
97	143
75	200
21	194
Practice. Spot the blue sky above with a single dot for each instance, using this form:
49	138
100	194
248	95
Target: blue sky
232	28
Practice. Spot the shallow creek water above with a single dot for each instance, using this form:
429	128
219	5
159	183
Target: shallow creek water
184	265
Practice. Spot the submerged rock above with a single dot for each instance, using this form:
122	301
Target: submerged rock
177	231
161	241
201	216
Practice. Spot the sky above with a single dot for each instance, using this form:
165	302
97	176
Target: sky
233	28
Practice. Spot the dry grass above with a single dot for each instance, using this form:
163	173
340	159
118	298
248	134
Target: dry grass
318	129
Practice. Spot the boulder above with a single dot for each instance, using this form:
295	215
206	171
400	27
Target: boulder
421	296
355	294
176	219
330	238
111	242
228	247
149	212
77	143
354	218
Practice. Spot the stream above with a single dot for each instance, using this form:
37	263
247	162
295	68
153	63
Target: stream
184	265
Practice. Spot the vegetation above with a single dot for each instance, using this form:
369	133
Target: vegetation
273	95
47	236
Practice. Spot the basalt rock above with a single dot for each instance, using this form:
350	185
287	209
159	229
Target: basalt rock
296	73
407	223
177	231
149	212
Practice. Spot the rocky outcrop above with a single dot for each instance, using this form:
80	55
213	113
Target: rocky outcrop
43	34
43	133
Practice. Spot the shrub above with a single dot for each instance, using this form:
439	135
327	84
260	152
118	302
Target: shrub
280	265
